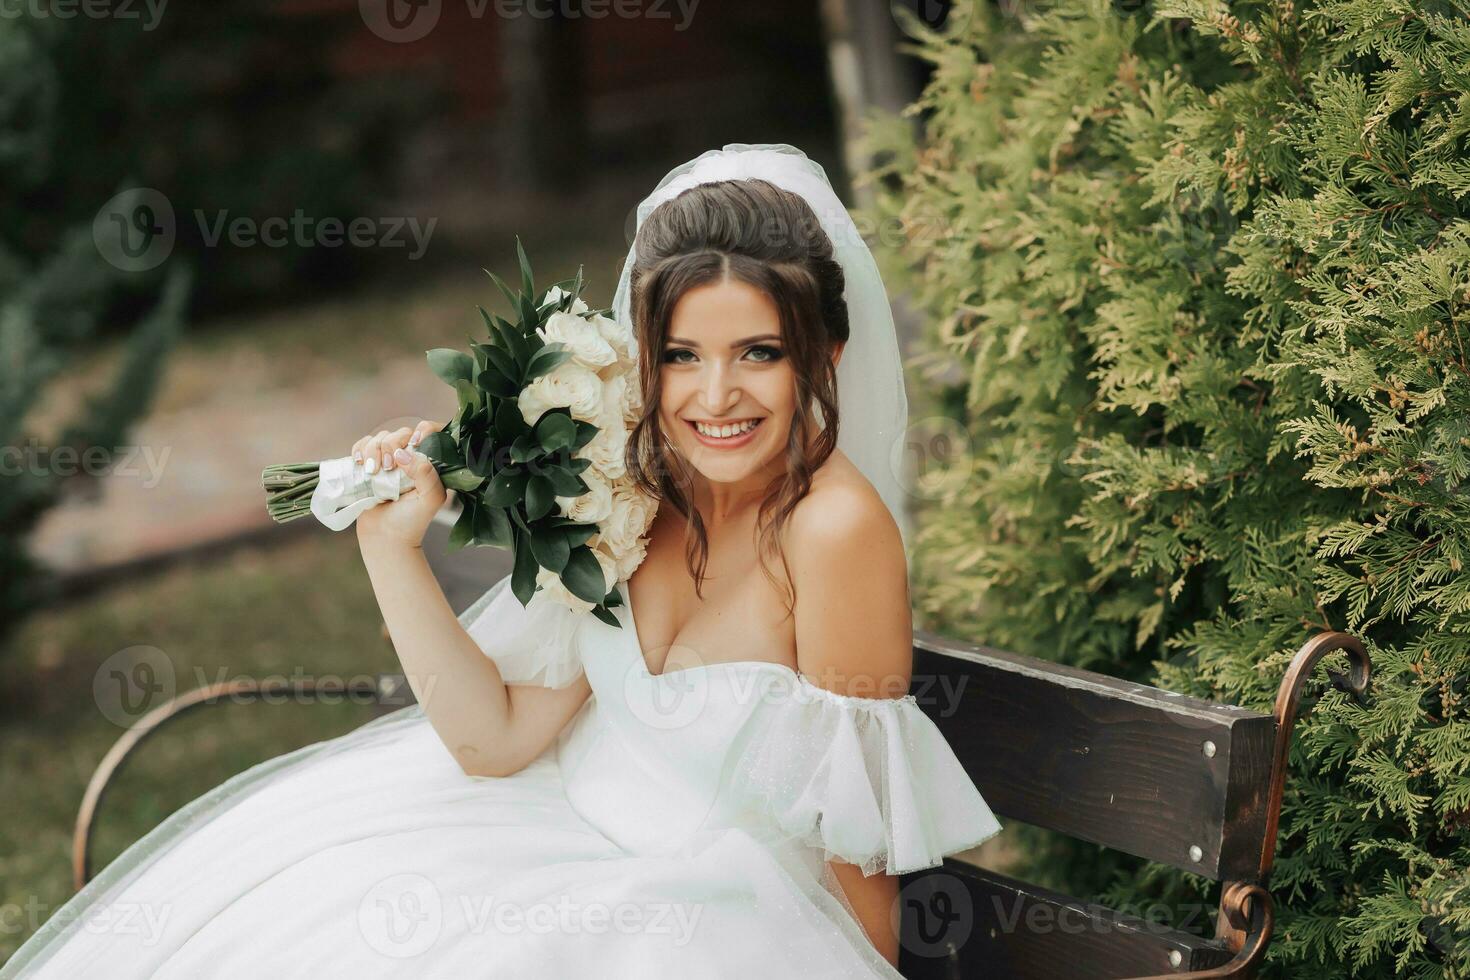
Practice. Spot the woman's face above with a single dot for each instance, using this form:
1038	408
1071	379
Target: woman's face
729	392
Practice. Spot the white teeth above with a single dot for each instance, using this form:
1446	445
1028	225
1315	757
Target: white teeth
726	431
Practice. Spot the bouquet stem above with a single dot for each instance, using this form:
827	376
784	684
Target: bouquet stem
288	489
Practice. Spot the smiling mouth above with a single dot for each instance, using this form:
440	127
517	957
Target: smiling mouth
726	436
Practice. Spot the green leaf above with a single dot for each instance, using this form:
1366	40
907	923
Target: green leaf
556	431
523	576
583	575
479	453
526	447
461	479
507	366
469	395
551	547
463	531
510	297
545	359
493	527
482	359
540	497
577	534
498	384
528	288
507	487
564	481
586	432
509	422
452	366
530	316
606	617
509	337
439	447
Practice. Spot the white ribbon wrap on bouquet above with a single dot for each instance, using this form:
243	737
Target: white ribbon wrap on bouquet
345	489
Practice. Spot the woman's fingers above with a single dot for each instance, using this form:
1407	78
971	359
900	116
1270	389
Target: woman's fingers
391	441
425	478
375	452
423	429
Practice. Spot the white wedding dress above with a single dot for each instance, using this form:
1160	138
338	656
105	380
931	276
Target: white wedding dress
678	827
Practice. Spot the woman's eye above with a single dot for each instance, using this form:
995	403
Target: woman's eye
673	356
766	352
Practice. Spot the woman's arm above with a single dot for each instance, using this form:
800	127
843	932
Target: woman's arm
491	728
854	636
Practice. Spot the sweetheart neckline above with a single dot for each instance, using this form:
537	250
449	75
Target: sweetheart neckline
642	660
801	679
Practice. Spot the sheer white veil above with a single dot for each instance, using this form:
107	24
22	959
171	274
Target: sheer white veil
871	401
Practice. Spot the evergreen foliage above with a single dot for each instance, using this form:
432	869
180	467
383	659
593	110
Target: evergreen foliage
1199	281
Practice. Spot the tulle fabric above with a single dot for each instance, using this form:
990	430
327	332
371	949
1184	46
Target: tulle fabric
869	781
530	644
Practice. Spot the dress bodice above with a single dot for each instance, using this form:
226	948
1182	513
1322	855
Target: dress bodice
660	761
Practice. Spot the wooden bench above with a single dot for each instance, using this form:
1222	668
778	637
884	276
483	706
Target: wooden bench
1175	779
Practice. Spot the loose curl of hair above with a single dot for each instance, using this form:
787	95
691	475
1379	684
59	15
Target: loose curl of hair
767	237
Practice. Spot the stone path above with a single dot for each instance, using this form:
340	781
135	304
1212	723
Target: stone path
193	477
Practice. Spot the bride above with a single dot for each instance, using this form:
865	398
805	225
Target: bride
727	785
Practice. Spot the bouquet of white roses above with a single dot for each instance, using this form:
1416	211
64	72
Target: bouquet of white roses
534	453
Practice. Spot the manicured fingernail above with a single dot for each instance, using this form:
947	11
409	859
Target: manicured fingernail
371	465
403	456
413	440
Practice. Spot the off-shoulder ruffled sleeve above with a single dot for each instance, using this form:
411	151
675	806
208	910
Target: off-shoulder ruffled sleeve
871	781
531	644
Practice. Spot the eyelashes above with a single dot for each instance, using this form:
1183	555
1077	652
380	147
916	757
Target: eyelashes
768	354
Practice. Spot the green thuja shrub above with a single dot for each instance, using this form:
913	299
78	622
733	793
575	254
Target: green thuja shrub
1197	286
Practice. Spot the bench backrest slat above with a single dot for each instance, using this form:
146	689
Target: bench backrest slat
1120	764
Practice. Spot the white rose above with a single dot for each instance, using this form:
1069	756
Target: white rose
624	530
608	449
618	336
632	400
627	560
568	385
587	345
555	293
592	507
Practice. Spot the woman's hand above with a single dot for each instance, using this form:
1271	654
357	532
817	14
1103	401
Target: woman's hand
400	522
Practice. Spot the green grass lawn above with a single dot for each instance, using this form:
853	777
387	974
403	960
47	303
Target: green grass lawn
302	607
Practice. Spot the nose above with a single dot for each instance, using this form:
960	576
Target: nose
720	390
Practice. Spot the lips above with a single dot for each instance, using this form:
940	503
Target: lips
729	442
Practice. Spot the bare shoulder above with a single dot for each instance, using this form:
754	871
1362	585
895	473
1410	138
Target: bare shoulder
854	627
843	513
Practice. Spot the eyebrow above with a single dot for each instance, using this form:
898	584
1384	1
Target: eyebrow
739	343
